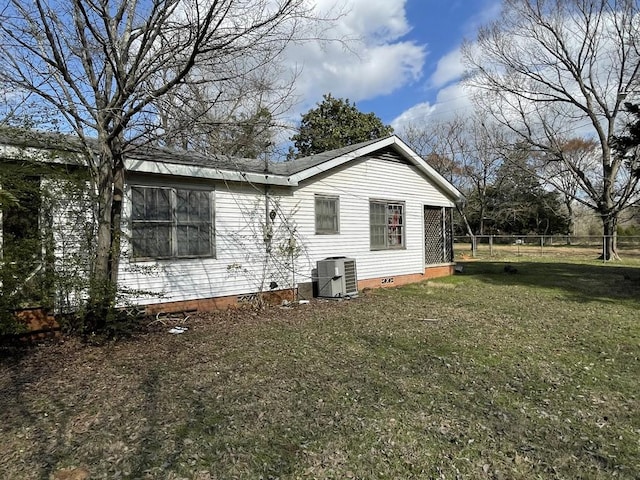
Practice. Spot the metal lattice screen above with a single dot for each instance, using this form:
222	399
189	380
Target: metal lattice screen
438	235
448	235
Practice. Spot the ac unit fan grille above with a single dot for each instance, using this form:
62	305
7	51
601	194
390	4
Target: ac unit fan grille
350	280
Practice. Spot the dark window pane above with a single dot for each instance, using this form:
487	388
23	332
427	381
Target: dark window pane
160	204
201	207
377	225
137	203
377	236
204	240
193	240
150	203
193	206
151	240
326	215
182	205
182	237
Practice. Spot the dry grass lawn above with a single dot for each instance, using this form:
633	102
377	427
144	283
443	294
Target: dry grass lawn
484	375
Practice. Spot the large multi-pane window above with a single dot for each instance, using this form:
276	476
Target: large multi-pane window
386	224
171	223
327	211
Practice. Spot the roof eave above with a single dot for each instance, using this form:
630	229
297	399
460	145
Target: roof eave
336	162
423	166
199	171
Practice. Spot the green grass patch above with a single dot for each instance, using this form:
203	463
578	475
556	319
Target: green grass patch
487	374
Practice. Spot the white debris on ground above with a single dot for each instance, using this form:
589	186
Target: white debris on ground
178	330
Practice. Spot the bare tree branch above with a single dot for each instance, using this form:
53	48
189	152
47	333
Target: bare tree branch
550	70
108	65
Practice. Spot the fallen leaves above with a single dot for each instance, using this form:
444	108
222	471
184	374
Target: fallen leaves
468	381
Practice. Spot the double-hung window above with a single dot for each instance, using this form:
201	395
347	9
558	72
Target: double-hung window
327	213
386	224
171	223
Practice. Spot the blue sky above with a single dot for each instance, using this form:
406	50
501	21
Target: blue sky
441	26
405	65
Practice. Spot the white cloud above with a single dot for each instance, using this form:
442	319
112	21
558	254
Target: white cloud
374	60
452	101
376	71
373	21
490	11
449	68
415	115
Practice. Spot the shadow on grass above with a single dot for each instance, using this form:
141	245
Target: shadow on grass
18	410
582	282
332	398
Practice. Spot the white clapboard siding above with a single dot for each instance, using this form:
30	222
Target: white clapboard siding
355	186
72	231
241	265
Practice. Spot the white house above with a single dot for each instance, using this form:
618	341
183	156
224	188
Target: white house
201	233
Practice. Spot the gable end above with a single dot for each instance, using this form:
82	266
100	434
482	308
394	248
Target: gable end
388	154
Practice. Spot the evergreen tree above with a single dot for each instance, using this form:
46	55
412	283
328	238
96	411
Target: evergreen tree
519	205
335	123
628	145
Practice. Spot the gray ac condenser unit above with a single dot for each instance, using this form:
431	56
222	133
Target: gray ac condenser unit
337	277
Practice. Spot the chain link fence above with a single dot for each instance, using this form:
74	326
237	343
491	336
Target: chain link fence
568	246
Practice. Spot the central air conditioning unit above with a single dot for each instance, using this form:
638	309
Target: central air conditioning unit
337	277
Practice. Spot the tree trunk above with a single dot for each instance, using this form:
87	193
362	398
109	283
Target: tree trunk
608	211
464	219
100	270
116	219
104	274
609	241
572	222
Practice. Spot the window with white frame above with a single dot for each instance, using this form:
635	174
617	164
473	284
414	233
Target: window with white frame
386	224
171	223
327	213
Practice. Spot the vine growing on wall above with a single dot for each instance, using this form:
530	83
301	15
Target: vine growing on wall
46	233
271	246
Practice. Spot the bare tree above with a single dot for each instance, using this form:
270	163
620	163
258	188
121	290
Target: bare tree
235	114
487	156
105	64
443	144
578	155
468	152
552	69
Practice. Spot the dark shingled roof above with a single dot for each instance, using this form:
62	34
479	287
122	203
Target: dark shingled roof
183	157
300	164
224	162
23	138
153	159
69	143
